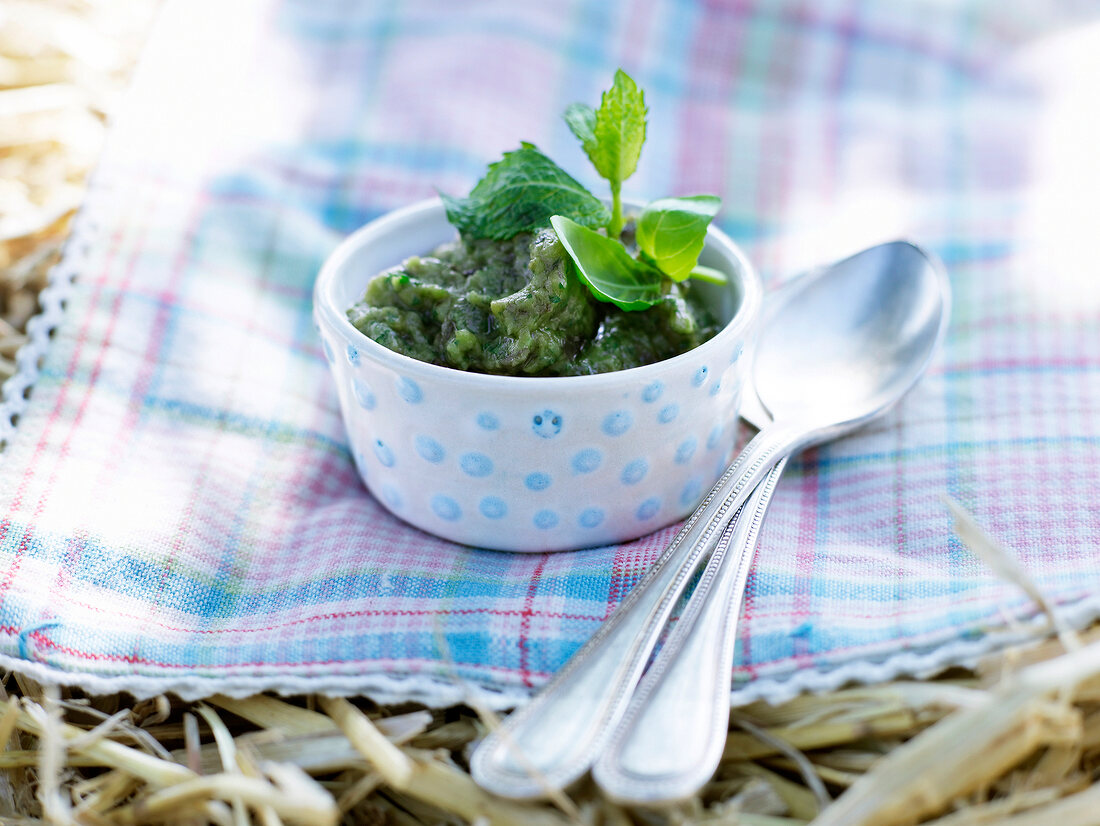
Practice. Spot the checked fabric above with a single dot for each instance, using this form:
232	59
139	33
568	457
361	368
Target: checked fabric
178	507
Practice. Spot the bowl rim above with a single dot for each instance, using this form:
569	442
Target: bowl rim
324	303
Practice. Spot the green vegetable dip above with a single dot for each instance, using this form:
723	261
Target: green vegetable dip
516	308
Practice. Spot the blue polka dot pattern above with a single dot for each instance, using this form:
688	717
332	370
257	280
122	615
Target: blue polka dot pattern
392	496
634	472
715	437
716	387
686	450
363	394
492	507
736	354
545	520
384	454
699	377
691	493
653	392
587	460
590	517
446	508
648	509
668	413
476	464
487	421
537	481
617	423
429	449
353	355
409	390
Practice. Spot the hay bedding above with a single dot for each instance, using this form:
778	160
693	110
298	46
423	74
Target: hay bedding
1015	741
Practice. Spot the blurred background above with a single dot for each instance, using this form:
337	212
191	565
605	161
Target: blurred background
824	125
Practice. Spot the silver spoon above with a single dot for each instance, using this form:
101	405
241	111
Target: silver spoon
670	739
557	736
894	300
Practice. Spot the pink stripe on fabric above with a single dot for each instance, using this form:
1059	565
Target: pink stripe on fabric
525	623
55	418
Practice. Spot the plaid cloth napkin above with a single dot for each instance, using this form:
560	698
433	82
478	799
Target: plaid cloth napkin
179	508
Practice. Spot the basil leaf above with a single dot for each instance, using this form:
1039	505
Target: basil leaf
671	232
607	268
518	194
619	130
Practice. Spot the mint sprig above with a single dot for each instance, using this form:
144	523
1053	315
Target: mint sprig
612	137
518	194
525	190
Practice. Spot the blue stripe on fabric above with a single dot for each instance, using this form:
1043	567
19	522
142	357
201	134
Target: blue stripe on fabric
664	84
838	588
956	173
237	422
1055	368
951	450
414	155
124	573
345	29
276	430
822	640
957	251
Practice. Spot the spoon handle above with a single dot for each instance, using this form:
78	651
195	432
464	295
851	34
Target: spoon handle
555	738
669	740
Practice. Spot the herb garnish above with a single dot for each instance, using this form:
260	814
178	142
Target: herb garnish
607	268
525	190
612	137
671	232
518	194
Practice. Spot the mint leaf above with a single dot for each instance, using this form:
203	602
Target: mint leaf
607	268
518	194
619	129
612	137
581	119
671	232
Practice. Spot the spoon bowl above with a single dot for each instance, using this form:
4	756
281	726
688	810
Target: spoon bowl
840	349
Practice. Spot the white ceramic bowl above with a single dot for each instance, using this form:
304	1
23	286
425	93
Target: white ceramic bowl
531	464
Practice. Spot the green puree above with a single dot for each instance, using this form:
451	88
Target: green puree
516	308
